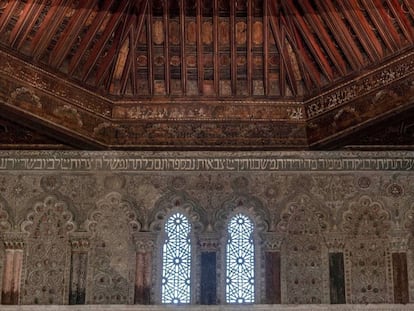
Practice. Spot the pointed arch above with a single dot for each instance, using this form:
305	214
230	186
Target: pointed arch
169	208
249	205
177	201
241	238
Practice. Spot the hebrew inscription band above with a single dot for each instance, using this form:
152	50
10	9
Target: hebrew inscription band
87	161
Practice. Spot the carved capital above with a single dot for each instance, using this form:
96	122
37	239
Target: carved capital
14	240
271	241
209	242
335	242
80	241
145	241
399	242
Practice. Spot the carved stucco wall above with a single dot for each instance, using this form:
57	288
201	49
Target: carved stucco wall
304	205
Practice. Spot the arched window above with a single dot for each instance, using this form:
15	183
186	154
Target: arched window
176	261
240	260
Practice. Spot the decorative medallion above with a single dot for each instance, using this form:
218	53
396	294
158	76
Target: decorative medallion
364	182
191	61
159	60
50	183
395	190
142	60
175	61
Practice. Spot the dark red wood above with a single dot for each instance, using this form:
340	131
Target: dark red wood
87	39
71	33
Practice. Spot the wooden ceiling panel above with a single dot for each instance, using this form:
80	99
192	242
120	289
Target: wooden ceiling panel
143	52
195	47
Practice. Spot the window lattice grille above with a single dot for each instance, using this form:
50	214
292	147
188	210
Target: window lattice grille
240	261
176	265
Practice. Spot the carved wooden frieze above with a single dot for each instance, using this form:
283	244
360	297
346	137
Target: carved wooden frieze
278	123
373	82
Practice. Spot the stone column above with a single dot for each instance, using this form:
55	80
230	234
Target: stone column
145	259
272	268
399	250
79	264
209	244
14	245
336	247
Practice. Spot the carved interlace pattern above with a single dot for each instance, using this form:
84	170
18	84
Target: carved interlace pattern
303	253
112	251
371	221
176	263
48	226
4	219
240	274
366	218
369	261
367	256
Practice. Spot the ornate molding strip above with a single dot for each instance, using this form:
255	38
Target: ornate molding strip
100	120
160	109
375	80
77	97
260	110
18	70
248	162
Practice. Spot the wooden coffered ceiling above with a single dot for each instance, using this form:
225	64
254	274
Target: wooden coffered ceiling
197	74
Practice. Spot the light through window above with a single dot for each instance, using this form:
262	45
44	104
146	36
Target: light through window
176	264
240	260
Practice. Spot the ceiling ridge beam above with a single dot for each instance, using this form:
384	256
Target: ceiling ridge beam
182	47
216	47
200	50
279	34
316	22
310	41
402	20
341	33
266	31
128	26
233	51
70	34
367	37
7	14
384	27
25	22
410	8
51	22
87	39
308	68
167	71
107	65
99	46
